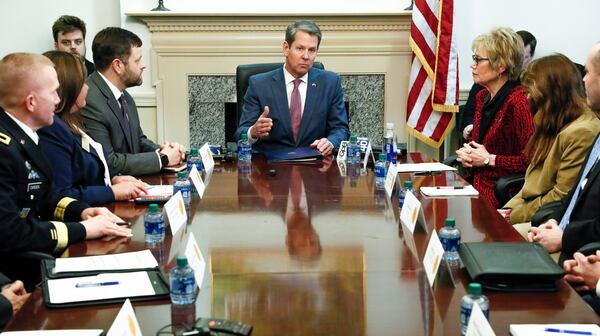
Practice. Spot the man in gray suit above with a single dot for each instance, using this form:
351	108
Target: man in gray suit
111	116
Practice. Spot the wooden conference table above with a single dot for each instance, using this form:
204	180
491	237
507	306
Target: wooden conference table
340	265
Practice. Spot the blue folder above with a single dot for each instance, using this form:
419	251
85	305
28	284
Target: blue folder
301	154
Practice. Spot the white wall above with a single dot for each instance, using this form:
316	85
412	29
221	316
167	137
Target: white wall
560	26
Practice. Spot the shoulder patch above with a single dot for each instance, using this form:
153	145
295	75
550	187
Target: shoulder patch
5	139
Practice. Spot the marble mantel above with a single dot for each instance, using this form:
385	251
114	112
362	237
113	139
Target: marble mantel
187	45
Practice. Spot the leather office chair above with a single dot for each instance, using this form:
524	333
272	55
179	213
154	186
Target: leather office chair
242	79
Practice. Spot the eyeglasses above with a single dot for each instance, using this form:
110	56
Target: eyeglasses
478	59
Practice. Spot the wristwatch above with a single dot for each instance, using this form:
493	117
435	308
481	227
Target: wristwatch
164	159
486	161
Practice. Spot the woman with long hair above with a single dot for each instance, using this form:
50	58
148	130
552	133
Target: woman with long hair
565	128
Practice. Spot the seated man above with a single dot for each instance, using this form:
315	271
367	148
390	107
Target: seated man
296	105
69	36
111	117
31	217
577	221
12	298
583	273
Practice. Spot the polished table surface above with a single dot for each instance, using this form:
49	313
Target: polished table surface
334	261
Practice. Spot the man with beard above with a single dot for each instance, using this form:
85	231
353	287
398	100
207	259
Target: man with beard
69	36
111	116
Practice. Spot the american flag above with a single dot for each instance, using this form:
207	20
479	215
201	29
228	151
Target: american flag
433	83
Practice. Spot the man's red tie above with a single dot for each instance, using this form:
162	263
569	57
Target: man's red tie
296	108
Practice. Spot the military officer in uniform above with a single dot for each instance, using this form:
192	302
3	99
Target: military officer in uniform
31	217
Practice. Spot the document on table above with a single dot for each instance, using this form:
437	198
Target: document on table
118	261
100	287
65	332
422	167
444	191
554	329
158	190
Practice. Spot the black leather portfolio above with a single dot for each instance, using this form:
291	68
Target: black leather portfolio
519	266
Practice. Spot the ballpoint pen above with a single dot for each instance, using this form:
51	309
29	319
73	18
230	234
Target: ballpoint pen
95	284
450	187
566	331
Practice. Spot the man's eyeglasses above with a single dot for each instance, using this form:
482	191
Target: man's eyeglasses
477	59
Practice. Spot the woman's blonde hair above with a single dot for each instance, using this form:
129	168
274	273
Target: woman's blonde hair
504	48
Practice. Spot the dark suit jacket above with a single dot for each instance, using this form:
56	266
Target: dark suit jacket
26	203
89	66
78	171
324	112
584	226
127	150
6	310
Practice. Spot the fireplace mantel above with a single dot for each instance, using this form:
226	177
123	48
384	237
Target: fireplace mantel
213	44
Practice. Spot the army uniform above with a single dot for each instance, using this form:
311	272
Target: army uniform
31	217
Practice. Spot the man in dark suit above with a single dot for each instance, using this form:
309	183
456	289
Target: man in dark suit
111	116
296	105
577	221
69	35
31	217
12	298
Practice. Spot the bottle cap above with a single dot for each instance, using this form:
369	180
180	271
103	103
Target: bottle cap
182	261
382	156
474	288
408	184
389	125
353	138
153	207
244	136
193	151
181	174
450	222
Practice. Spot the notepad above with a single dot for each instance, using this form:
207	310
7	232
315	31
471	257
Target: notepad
554	329
446	191
422	167
118	261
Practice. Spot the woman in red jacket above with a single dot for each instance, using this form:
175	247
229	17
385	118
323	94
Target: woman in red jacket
503	122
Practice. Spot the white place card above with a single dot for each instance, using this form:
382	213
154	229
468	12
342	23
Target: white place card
342	151
126	323
433	257
478	324
177	242
412	213
207	159
365	147
197	181
195	259
390	179
175	209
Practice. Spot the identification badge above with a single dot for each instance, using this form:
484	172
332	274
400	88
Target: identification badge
24	213
34	186
85	143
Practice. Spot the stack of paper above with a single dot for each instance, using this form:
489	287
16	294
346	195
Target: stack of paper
445	191
554	329
422	167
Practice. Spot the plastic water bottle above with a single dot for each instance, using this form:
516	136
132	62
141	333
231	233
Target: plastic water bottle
183	184
154	225
380	171
389	143
353	152
183	283
408	187
194	159
466	305
244	148
450	238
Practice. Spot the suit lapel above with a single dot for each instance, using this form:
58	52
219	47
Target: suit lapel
114	107
282	107
312	95
28	148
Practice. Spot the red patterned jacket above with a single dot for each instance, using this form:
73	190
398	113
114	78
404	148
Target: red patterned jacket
506	137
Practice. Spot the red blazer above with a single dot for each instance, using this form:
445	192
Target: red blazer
506	138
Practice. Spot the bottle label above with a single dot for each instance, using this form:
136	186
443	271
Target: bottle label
465	315
154	227
450	244
380	171
183	285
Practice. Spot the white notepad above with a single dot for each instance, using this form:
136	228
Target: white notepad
422	167
110	262
445	191
554	329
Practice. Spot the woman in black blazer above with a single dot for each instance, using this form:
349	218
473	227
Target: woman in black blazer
78	162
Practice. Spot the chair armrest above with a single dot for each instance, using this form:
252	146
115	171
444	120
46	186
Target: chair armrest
451	160
589	249
506	185
34	255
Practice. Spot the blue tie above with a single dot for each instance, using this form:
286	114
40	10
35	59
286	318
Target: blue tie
592	159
